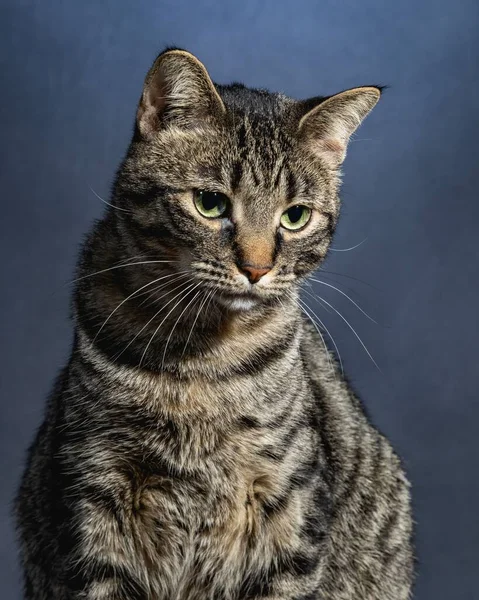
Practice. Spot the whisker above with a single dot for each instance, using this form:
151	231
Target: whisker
348	249
207	295
185	293
136	257
346	288
321	270
305	311
151	293
210	300
354	331
128	298
108	203
306	308
352	141
143	262
315	298
156	300
154	316
346	296
177	321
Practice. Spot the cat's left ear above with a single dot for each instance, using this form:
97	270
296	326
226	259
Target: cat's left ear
327	127
178	91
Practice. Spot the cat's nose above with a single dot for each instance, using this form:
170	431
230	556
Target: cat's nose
254	272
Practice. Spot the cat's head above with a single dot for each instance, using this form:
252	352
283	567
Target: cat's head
237	186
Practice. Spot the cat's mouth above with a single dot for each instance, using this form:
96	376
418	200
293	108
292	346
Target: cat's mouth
235	292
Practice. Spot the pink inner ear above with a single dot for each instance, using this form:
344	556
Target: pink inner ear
147	118
329	145
151	104
331	150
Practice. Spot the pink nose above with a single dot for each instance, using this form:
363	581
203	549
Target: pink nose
254	273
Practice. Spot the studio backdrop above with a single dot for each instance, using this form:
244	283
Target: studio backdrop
406	250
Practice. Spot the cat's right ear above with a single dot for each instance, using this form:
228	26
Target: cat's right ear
178	91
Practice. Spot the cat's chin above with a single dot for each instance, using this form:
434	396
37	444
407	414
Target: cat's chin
237	303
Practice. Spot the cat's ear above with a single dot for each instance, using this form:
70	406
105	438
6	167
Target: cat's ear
177	91
327	127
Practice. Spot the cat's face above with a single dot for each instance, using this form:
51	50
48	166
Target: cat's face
236	187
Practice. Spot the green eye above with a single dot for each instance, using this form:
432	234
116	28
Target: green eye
295	217
210	204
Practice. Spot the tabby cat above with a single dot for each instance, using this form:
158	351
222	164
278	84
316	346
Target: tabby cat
201	443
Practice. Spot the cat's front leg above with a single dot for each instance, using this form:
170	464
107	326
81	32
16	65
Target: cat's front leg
99	579
98	558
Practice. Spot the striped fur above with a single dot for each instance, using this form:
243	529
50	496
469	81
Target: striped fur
200	443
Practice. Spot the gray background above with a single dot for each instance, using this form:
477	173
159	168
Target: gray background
71	76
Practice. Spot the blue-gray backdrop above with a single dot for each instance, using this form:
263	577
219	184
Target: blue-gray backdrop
71	76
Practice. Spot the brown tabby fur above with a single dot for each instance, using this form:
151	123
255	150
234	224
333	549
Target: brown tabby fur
201	443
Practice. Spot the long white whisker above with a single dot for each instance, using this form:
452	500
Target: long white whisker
209	302
108	204
196	319
177	321
348	249
346	296
303	308
321	270
353	330
143	262
127	298
315	298
154	316
185	293
328	332
361	140
151	293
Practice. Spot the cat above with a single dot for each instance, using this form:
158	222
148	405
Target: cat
201	443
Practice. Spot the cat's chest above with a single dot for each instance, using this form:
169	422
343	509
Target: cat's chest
231	516
227	488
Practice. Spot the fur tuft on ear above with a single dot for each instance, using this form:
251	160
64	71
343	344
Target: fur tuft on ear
327	127
179	91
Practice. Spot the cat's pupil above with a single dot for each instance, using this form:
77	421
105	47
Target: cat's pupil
210	200
295	213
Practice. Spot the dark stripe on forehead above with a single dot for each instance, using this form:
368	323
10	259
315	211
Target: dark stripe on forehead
254	173
277	179
291	185
241	136
210	172
236	175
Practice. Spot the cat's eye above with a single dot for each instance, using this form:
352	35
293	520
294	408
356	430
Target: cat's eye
211	205
296	217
